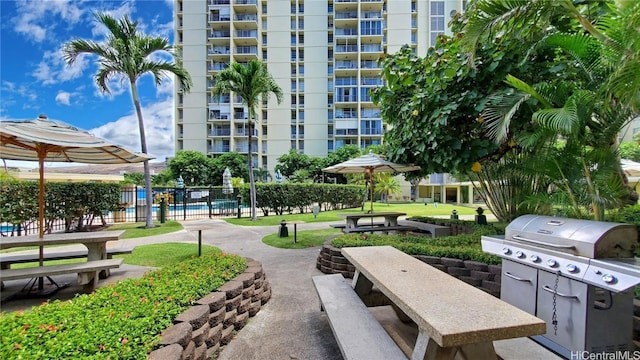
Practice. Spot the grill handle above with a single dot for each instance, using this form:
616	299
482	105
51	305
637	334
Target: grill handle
508	274
548	289
543	243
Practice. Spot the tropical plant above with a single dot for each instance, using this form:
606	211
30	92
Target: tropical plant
585	106
385	183
127	54
251	82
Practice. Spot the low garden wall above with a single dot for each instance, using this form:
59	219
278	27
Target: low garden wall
199	332
480	275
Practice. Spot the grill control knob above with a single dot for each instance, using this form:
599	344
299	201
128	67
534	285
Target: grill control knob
535	258
572	268
552	263
520	255
506	251
609	279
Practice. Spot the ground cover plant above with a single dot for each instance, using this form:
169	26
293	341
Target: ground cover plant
463	246
119	321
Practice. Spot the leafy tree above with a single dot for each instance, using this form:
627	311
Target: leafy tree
128	54
134	178
294	161
237	164
251	82
588	112
193	166
630	150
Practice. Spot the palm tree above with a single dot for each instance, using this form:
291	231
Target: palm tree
386	184
251	82
125	54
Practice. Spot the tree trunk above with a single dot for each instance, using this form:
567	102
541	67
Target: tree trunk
252	183
143	146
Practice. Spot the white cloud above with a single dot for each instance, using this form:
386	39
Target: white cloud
63	98
52	69
34	19
159	130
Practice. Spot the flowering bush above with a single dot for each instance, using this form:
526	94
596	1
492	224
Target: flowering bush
119	321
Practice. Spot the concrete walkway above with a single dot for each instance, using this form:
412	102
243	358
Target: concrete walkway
289	326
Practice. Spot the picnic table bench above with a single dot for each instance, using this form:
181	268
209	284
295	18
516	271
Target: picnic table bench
358	333
97	257
87	271
8	259
433	229
453	318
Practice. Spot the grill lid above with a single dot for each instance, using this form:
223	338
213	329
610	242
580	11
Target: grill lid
592	239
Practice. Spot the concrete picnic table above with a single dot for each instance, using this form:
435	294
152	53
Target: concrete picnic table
96	241
390	218
452	316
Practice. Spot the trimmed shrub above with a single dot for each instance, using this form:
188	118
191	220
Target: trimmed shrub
463	246
120	321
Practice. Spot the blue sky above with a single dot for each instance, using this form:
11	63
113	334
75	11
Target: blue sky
35	80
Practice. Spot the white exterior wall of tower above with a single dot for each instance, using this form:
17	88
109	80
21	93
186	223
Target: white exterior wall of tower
214	32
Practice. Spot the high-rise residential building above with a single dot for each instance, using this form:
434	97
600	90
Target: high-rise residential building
323	54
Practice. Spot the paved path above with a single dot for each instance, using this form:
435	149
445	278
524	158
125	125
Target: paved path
289	326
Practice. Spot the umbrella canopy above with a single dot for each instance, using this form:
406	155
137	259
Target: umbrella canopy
227	187
631	168
45	140
369	164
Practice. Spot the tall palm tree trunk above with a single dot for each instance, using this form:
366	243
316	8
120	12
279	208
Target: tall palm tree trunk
252	183
143	146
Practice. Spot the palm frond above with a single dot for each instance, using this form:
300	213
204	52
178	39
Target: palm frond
498	115
526	88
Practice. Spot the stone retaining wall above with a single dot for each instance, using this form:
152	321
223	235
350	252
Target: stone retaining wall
199	332
480	275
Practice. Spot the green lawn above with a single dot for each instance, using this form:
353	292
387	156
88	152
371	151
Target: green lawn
412	209
305	239
136	230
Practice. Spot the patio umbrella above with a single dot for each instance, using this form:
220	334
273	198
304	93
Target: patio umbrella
227	187
46	140
369	164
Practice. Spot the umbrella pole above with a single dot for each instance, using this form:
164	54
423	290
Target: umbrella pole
41	156
371	190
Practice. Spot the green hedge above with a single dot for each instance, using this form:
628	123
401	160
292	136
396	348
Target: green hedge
281	198
463	246
120	321
73	202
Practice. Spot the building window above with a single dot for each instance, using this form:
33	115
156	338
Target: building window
301	38
293	85
264	39
436	18
301	69
293	24
293	39
293	55
301	24
301	8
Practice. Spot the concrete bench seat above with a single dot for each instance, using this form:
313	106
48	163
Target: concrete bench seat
362	229
433	229
358	333
7	259
87	271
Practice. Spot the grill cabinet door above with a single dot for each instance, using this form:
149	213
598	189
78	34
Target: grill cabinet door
571	310
518	285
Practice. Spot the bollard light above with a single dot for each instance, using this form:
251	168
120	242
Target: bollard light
284	230
454	214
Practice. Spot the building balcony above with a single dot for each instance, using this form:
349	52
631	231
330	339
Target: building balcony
219	149
220	132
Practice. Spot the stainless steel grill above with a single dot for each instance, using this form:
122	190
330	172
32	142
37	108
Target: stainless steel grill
577	275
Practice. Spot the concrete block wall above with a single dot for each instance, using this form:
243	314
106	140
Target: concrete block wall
199	332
